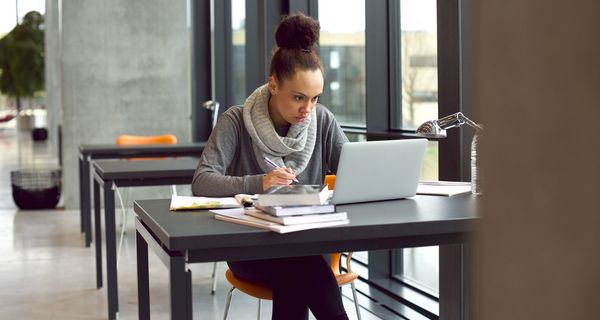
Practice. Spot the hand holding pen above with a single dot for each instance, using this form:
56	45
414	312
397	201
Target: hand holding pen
278	176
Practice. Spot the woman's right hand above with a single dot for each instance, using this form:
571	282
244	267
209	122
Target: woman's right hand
283	176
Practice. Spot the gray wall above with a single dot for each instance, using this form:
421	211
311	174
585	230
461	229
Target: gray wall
537	87
52	72
124	68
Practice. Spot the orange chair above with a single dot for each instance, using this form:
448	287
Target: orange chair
126	139
263	291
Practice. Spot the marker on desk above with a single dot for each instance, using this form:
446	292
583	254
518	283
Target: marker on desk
275	166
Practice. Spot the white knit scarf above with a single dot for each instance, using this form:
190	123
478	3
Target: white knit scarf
292	151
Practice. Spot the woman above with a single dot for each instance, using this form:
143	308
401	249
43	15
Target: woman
281	121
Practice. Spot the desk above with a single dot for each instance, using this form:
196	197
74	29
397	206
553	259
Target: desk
195	236
87	153
110	173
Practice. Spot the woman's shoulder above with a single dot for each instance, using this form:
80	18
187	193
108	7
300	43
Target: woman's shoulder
324	115
234	111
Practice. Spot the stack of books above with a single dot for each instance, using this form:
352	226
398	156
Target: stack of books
286	209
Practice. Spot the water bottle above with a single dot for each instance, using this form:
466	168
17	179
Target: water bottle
475	178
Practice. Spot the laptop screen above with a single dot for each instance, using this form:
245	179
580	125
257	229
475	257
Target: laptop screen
378	170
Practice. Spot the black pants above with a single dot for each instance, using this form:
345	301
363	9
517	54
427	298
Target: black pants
298	284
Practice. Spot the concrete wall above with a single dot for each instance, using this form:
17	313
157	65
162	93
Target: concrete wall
52	72
124	68
536	85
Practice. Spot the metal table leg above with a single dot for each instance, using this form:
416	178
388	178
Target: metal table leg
111	249
143	278
86	201
98	234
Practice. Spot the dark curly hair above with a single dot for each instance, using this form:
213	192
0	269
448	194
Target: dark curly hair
296	38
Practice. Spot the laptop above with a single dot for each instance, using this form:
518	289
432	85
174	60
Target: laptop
378	170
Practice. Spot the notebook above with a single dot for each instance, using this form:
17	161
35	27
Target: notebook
378	170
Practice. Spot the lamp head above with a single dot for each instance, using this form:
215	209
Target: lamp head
211	105
431	129
437	128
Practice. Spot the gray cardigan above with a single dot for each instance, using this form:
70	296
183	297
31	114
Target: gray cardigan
228	165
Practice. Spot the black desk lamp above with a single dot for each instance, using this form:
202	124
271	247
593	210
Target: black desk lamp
437	129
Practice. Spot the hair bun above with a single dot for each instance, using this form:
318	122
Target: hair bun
297	32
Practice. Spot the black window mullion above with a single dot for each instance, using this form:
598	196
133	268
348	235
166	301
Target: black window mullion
377	67
449	86
308	7
222	54
395	73
201	61
262	17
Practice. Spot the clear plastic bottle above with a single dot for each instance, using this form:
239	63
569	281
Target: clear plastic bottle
475	177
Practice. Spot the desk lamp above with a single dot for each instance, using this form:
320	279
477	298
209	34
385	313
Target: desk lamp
437	129
213	106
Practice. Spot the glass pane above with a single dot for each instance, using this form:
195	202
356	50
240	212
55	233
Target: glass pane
238	38
342	50
418	23
421	268
430	169
418	52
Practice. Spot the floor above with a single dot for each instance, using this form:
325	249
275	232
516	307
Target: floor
46	272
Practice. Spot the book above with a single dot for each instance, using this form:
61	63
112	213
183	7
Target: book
300	219
237	216
443	188
294	195
192	203
296	210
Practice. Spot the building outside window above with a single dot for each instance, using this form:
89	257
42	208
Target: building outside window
342	50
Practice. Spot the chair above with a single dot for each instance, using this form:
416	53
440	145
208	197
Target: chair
263	291
125	139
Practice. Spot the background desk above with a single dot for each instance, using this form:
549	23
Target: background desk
109	173
195	236
88	152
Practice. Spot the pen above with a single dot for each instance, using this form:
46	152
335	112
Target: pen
274	165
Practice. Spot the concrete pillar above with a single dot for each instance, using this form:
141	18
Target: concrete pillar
53	69
124	69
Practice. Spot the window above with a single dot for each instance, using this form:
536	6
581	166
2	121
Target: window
419	82
342	50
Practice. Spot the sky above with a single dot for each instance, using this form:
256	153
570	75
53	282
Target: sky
8	12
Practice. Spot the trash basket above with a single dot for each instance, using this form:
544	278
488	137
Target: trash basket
36	188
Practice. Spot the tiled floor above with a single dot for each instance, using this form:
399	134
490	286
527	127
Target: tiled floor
47	273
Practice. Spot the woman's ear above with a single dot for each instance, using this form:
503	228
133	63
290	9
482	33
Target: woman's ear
272	85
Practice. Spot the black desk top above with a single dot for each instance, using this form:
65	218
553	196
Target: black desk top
422	220
141	169
148	150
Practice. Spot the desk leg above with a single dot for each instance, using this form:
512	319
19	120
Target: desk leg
453	289
111	250
143	277
85	204
98	234
181	296
81	215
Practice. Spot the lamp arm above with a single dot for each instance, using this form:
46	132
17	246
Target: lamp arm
470	122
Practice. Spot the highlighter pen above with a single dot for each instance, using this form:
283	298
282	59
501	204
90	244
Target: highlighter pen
275	166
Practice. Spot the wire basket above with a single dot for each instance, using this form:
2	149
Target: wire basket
36	188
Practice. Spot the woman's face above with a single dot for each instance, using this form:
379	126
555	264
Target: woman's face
293	99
